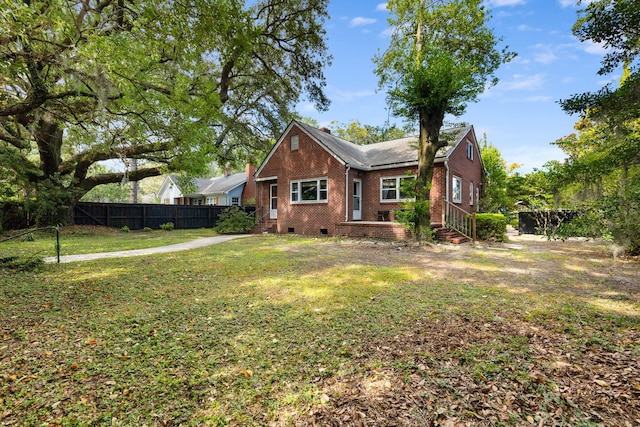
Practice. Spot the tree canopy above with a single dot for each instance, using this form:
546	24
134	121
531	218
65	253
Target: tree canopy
174	85
601	177
442	55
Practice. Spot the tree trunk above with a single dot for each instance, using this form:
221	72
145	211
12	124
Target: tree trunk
429	143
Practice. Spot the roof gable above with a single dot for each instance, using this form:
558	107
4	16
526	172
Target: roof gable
380	155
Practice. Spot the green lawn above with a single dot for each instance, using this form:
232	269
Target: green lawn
286	330
83	240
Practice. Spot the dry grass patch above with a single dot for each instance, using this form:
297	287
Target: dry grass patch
277	330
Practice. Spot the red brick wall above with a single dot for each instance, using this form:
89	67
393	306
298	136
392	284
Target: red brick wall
310	160
469	170
371	192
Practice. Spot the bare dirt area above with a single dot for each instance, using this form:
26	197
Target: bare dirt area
539	367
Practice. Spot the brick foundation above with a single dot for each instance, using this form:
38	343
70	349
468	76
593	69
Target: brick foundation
379	230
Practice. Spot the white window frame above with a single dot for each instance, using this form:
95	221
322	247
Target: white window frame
470	150
398	197
235	201
322	194
456	183
472	194
295	142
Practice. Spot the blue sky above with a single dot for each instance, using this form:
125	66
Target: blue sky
520	115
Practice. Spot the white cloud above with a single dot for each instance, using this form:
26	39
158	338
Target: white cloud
544	54
524	27
359	21
522	82
593	48
540	98
574	3
340	95
381	7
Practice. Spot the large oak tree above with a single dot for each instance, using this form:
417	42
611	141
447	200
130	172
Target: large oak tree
442	55
173	84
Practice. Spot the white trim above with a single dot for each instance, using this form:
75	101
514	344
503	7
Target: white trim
453	187
299	182
356	214
273	213
267	178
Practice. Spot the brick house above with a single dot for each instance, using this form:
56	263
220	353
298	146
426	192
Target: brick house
313	183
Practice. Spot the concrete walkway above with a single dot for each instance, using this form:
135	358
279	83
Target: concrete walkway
193	244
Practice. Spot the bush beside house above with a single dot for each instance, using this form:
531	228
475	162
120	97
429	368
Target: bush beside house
491	226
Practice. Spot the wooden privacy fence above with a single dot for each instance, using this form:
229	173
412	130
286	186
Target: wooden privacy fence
139	216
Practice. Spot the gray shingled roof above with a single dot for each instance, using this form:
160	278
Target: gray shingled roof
217	185
380	155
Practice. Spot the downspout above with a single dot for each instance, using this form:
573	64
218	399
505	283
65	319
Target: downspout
446	192
346	193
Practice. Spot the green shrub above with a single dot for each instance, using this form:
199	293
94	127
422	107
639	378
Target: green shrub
491	226
124	229
147	229
235	220
167	226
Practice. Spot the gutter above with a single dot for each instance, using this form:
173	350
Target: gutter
346	192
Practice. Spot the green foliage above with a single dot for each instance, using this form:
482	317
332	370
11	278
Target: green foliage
442	55
147	229
614	217
125	229
366	134
167	226
235	220
495	197
491	226
613	23
173	85
52	201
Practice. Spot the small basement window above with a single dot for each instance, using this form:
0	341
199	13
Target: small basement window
324	231
290	230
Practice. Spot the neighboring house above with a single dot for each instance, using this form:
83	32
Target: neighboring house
228	190
312	182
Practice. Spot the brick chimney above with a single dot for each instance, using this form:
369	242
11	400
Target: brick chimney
326	130
249	191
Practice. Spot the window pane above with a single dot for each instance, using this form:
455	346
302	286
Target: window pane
323	189
389	189
309	190
294	192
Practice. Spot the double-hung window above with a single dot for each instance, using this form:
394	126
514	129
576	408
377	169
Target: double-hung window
393	189
309	190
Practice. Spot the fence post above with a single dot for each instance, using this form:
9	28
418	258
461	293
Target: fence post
58	243
474	235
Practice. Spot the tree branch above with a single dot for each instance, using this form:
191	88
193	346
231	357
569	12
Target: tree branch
116	177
